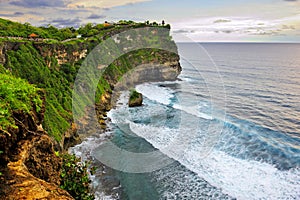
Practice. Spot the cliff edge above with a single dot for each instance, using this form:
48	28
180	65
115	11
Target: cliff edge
38	77
30	169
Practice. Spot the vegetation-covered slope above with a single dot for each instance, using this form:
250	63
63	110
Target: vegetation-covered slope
37	78
53	67
16	95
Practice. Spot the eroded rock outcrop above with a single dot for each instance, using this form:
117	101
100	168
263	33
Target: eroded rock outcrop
135	99
29	165
30	168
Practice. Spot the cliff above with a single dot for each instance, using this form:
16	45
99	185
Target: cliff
30	137
28	163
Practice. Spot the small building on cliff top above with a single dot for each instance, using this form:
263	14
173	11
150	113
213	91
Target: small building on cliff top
32	36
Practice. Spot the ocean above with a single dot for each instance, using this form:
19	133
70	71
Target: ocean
228	128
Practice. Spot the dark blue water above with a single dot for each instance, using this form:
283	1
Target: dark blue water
231	124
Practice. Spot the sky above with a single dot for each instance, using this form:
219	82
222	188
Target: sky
195	20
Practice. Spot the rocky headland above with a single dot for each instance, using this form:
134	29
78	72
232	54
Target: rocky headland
34	136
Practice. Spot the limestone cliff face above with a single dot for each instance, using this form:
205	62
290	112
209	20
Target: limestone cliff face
8	46
31	166
152	66
63	54
54	54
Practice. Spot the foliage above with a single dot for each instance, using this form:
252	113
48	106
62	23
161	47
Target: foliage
27	63
133	95
15	29
75	178
52	34
16	95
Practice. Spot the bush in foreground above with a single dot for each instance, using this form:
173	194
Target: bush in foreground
75	178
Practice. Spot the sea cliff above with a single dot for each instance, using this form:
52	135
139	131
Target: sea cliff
31	141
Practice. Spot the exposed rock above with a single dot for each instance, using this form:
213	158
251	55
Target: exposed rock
29	165
18	183
30	168
41	160
70	139
135	99
62	53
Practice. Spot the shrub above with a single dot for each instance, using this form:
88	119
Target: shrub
16	95
75	178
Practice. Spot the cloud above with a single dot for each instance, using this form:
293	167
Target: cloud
38	3
18	14
237	28
181	31
95	16
60	22
15	14
101	4
222	21
267	33
227	31
286	27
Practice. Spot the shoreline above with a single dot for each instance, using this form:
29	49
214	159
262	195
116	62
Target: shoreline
53	69
111	186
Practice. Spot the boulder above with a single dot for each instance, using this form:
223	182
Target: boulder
135	99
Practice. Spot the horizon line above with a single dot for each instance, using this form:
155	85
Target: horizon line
274	42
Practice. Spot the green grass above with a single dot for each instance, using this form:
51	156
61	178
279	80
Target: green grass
16	95
57	81
27	63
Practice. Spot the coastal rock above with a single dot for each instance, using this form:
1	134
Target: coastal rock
135	99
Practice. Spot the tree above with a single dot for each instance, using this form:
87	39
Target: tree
163	22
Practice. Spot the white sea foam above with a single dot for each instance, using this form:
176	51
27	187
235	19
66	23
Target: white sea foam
239	178
159	94
163	95
84	150
193	110
243	179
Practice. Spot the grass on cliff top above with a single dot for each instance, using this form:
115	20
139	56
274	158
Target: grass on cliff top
15	29
16	94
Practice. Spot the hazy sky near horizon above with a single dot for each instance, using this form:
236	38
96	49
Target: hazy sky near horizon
199	20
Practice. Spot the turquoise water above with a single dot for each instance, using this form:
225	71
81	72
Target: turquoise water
232	119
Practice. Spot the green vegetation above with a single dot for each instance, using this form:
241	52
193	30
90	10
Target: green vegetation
27	63
31	61
53	34
74	177
16	95
133	95
15	29
31	67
